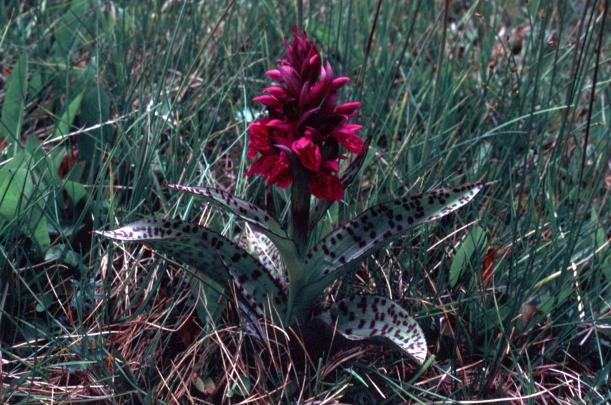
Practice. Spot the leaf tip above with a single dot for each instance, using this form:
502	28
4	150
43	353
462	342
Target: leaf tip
106	234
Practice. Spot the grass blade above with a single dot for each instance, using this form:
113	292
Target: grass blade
14	100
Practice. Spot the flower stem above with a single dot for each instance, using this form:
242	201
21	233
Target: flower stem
300	207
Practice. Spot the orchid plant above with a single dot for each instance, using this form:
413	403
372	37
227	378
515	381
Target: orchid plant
281	272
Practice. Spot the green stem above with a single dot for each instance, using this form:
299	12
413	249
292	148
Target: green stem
300	208
299	231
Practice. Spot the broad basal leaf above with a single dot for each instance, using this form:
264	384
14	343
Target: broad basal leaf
362	317
209	252
380	224
475	241
21	201
67	118
261	221
264	250
94	109
244	209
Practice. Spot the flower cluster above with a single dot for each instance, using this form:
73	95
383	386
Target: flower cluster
305	124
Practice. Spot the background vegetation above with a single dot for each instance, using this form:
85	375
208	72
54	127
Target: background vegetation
105	101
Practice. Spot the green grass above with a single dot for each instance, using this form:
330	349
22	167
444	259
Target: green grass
512	291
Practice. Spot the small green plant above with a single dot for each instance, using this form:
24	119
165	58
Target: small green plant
282	274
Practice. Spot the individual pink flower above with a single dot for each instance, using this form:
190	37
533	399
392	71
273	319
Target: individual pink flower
308	153
326	186
275	169
258	139
304	120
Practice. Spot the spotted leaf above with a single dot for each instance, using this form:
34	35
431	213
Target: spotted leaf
260	220
380	224
363	317
244	209
209	252
261	247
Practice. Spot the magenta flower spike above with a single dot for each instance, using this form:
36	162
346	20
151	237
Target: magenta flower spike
305	125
